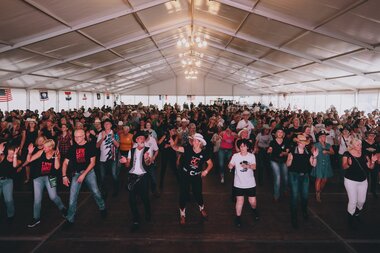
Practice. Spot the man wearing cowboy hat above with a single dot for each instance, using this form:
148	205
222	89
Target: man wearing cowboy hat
245	123
191	173
108	143
140	158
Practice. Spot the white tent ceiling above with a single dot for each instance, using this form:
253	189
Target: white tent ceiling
265	46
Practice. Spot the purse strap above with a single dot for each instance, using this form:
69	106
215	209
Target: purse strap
359	165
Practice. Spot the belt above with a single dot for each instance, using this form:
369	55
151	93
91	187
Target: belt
3	178
192	172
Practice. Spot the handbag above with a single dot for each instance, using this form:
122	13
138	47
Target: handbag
132	180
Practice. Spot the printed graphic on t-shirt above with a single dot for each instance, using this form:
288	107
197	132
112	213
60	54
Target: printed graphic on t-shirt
46	168
80	155
194	163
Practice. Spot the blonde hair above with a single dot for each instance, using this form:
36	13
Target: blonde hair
39	138
50	142
352	142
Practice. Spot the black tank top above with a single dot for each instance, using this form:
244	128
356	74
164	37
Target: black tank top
30	137
6	168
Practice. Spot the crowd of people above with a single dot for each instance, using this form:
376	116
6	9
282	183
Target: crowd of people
68	148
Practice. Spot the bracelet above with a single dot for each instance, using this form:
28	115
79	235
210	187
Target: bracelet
64	176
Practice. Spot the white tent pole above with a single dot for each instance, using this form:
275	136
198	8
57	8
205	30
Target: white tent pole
27	92
57	100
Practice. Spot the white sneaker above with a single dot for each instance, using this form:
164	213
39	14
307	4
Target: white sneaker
222	179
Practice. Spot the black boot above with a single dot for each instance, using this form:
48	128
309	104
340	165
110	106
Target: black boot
351	221
256	215
238	221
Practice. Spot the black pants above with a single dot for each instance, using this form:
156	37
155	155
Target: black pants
142	189
168	157
196	186
373	178
262	165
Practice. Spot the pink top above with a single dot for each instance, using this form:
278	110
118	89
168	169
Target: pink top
227	141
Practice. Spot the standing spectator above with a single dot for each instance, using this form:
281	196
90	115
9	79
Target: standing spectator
28	136
8	166
191	174
355	163
371	147
108	142
263	140
278	150
245	123
299	162
139	159
168	155
244	180
225	151
82	157
47	160
323	169
343	140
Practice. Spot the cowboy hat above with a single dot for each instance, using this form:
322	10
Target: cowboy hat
199	137
302	139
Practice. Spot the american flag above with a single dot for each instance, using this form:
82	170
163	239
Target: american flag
5	95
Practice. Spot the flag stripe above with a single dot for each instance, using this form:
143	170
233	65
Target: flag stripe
5	95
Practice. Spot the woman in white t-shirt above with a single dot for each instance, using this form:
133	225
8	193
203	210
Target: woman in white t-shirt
244	181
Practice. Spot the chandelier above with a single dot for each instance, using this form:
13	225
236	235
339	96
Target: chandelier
191	62
191	42
191	73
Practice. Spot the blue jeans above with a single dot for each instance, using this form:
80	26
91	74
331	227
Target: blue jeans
90	181
6	188
39	184
280	178
299	187
223	155
115	170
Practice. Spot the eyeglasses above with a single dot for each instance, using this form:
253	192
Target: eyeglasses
79	136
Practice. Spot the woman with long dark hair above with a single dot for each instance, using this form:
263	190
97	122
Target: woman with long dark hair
28	136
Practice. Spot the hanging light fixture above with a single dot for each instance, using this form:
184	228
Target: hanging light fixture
191	73
192	42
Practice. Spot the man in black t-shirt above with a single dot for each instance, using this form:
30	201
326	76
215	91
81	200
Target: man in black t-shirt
82	156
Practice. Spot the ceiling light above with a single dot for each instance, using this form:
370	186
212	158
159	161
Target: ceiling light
192	41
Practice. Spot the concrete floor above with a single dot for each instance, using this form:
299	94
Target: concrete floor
325	231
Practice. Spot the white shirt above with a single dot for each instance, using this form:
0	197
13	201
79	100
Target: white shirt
137	164
244	178
106	148
151	143
243	124
331	137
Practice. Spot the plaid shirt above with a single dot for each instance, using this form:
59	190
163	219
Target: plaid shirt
64	144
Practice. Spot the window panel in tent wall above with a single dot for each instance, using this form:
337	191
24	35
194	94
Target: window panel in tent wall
37	104
128	100
297	102
18	101
67	105
346	102
320	101
335	100
310	103
88	102
142	99
367	101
